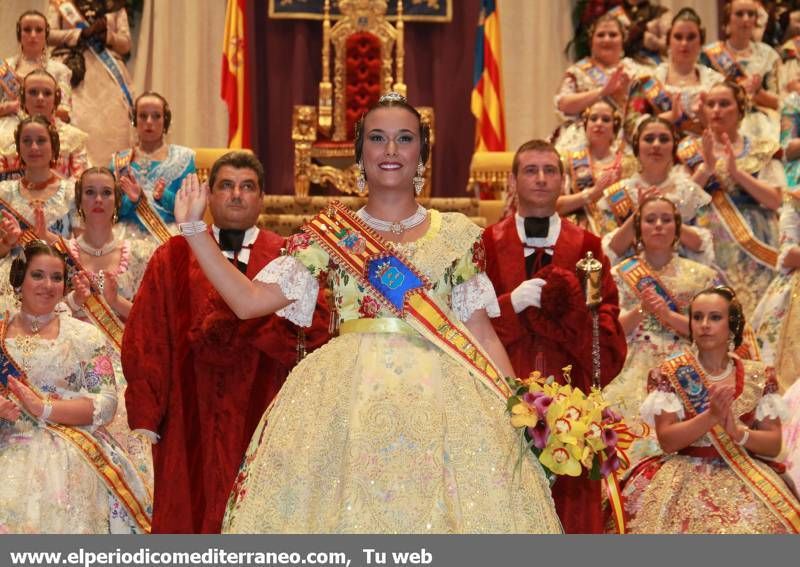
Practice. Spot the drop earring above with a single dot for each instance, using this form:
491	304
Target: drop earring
419	179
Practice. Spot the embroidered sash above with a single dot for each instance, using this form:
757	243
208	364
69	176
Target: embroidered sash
9	82
656	94
689	382
639	276
723	61
95	305
74	17
595	73
619	201
582	174
146	214
393	280
732	220
86	444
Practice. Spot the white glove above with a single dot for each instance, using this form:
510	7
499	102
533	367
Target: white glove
527	294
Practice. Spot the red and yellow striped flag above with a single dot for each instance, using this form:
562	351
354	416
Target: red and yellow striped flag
487	82
236	76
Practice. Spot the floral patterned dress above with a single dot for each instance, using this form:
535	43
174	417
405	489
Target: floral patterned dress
686	493
379	430
791	437
48	485
133	261
651	341
776	320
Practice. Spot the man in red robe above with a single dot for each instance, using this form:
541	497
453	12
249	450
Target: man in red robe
199	379
544	323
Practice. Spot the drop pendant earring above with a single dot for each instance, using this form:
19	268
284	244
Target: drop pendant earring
419	179
361	180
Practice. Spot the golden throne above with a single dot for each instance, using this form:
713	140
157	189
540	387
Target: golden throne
364	43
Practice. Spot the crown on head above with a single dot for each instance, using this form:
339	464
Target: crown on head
393	96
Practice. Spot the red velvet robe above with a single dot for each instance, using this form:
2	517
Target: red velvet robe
201	379
558	334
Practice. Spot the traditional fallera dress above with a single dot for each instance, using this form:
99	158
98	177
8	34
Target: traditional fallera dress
50	485
380	430
168	173
745	233
622	199
697	489
776	319
651	341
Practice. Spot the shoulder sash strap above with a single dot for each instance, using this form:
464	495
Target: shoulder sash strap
72	15
148	216
95	306
9	82
723	61
396	283
619	201
638	276
87	446
689	382
656	94
595	73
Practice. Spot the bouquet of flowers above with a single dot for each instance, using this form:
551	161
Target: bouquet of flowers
568	430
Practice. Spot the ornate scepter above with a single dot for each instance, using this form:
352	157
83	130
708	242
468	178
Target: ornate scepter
590	269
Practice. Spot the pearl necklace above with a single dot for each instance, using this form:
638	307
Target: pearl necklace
96	252
722	375
396	227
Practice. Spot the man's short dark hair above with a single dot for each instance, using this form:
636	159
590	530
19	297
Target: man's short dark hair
238	160
536	146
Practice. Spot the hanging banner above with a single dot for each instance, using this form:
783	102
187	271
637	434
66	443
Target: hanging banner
413	10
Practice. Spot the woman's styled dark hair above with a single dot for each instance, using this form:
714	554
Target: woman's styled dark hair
735	311
114	183
394	100
55	143
19	267
637	219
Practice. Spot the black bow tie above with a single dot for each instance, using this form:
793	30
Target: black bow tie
231	239
537	227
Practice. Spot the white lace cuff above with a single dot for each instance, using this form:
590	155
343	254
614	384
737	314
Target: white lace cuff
297	284
104	406
613	258
706	253
772	406
475	293
658	402
784	251
151	436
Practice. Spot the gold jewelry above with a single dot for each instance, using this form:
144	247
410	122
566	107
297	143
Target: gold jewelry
419	180
38	185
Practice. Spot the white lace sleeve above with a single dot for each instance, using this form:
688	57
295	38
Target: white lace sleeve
705	255
789	225
297	284
658	402
772	406
475	293
613	258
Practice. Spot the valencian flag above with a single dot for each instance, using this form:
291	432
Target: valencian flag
236	76
487	82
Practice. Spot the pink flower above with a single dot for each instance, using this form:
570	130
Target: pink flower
539	434
297	242
609	437
611	416
102	366
369	307
609	465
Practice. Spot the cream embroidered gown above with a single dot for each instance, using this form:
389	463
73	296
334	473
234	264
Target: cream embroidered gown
651	341
48	485
379	430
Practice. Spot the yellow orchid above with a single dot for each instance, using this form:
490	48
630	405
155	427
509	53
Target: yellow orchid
562	459
523	415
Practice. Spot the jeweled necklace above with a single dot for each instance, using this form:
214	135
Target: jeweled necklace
722	375
36	322
97	252
37	185
395	227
